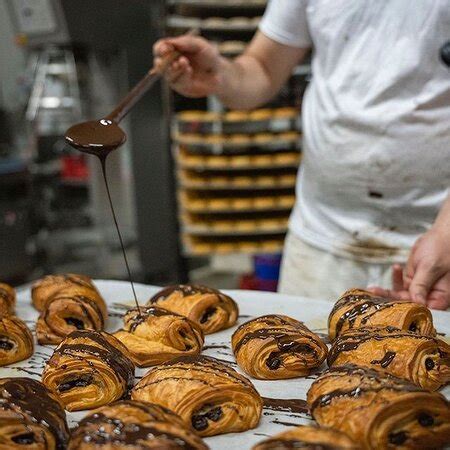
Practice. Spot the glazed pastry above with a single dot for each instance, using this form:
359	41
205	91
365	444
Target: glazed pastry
30	416
212	309
276	347
207	394
379	411
132	425
423	360
358	308
7	299
157	335
16	340
308	438
68	311
45	288
89	369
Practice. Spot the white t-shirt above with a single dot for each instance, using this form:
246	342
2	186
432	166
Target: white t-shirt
376	121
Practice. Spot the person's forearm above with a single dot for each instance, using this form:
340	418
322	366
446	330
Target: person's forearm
244	83
442	221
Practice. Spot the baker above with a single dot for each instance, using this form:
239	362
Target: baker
373	205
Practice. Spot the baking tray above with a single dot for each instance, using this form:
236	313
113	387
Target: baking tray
277	143
251	304
257	4
209	231
225	25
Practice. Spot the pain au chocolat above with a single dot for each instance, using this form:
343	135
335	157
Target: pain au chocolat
155	335
378	410
7	299
67	312
30	416
308	438
424	360
89	369
357	308
277	347
207	394
127	424
16	340
67	303
210	308
50	285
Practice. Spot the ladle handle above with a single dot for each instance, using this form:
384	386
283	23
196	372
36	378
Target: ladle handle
154	74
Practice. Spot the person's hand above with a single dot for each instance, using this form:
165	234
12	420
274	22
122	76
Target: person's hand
427	272
196	72
426	277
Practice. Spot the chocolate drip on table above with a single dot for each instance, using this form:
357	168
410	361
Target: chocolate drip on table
124	433
112	356
290	405
33	399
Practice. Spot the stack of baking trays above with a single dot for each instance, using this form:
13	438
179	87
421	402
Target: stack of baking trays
236	170
236	174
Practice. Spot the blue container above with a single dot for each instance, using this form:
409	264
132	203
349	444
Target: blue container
267	267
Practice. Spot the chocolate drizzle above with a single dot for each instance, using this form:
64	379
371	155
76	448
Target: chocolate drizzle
33	401
144	313
365	303
370	381
292	444
351	340
285	334
386	360
114	431
82	301
200	363
103	350
188	290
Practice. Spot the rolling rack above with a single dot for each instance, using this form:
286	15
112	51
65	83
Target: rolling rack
236	170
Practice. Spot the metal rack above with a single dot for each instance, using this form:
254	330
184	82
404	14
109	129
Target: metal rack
236	170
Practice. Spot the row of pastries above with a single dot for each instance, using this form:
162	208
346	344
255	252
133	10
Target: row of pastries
385	364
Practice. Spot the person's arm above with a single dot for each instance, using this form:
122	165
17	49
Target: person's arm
250	80
426	277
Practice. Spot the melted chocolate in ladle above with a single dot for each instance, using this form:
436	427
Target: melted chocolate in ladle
101	137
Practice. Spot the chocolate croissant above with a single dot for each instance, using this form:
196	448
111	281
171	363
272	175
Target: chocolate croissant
357	308
31	416
133	425
16	340
210	308
67	311
7	299
308	438
89	369
277	347
207	394
47	287
379	411
156	335
423	360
